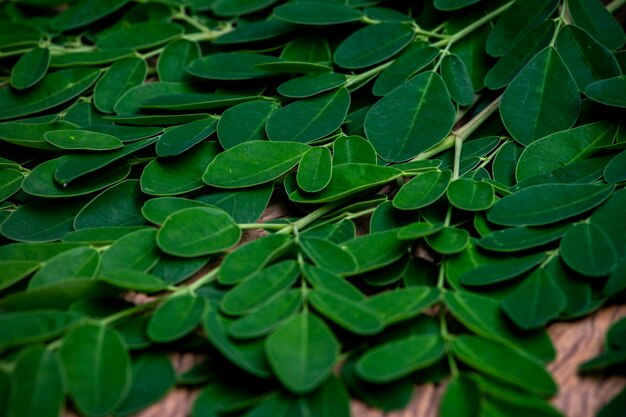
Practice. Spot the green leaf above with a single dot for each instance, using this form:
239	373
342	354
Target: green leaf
130	103
288	352
413	59
519	238
252	257
418	230
511	63
422	116
535	302
563	148
54	89
119	205
309	119
78	263
85	12
587	249
484	316
372	44
175	57
244	206
615	406
79	59
244	122
328	255
256	290
587	59
30	68
31	135
249	355
197	231
454	5
22	328
457	80
135	251
592	16
323	279
609	91
156	210
353	149
614	171
173	270
96	354
516	22
267	317
547	203
40	182
504	363
310	13
253	163
139	36
393	360
180	175
376	250
449	240
502	271
231	8
254	31
176	317
82	140
36	386
356	317
41	221
315	170
422	190
153	376
401	304
311	84
133	280
121	77
462	398
230	66
471	195
541	114
348	179
100	235
609	217
10	182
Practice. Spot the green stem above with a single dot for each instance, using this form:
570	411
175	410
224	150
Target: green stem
458	148
471	126
615	5
560	22
128	312
475	25
354	79
207	278
210	35
309	218
444	145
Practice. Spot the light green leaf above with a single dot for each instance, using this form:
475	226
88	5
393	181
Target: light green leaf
288	352
197	231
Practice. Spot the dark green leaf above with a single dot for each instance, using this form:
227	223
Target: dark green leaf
96	354
135	251
449	240
462	398
244	206
547	203
10	182
267	317
315	170
30	68
353	149
519	238
176	317
609	91
411	119
356	317
175	57
121	77
469	194
85	12
502	271
310	13
156	210
30	327
309	119
592	16
326	280
139	36
402	304
413	59
133	280
119	205
244	122
82	140
230	66
376	250
311	84
457	80
78	263
587	249
197	231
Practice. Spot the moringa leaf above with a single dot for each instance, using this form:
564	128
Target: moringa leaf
587	249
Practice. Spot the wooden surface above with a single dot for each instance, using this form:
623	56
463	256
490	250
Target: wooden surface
575	342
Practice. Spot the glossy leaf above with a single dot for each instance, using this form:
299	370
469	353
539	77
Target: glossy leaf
309	119
449	240
10	182
315	170
30	68
197	231
253	163
244	122
83	354
353	149
547	203
372	45
328	255
471	195
288	350
54	89
422	190
457	80
544	83
422	116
